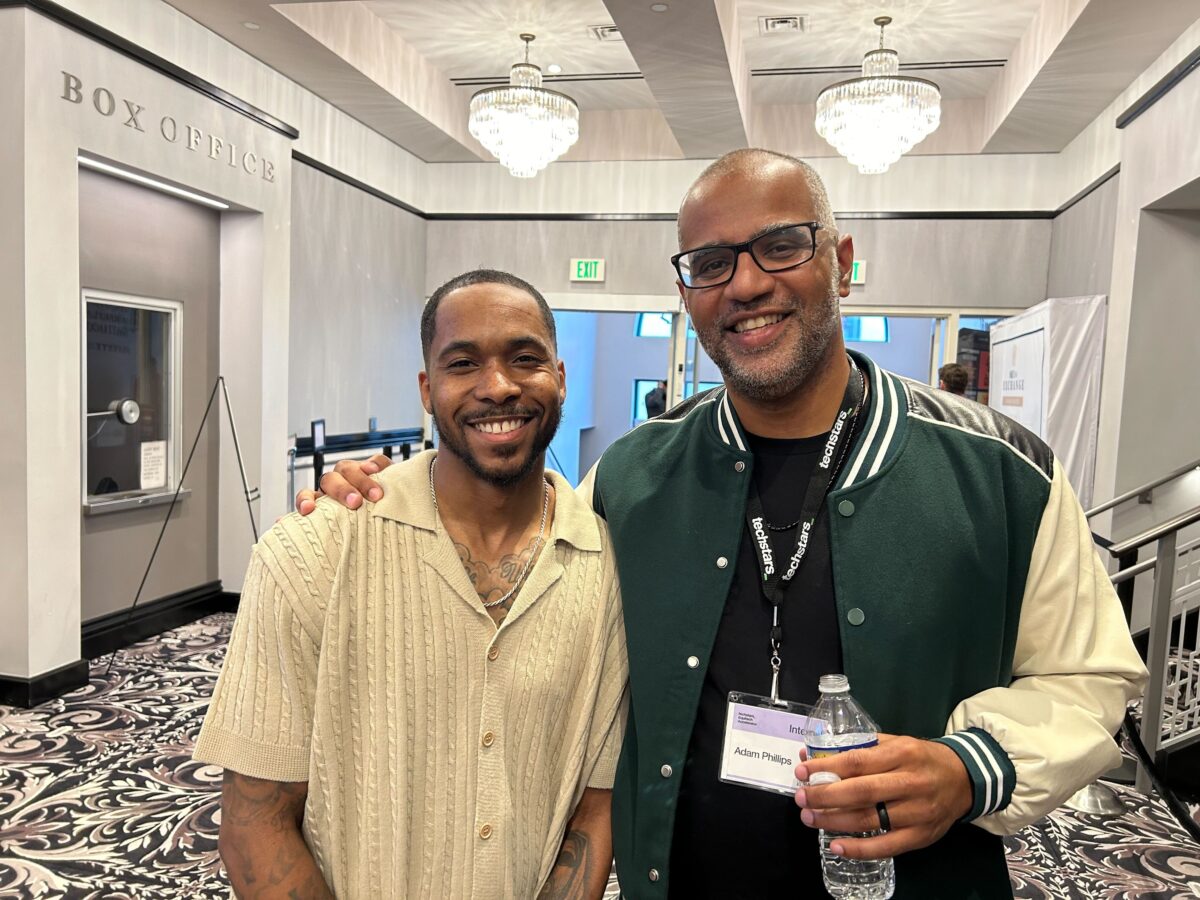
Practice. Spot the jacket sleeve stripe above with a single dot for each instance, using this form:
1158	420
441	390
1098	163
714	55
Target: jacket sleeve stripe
981	781
976	736
992	774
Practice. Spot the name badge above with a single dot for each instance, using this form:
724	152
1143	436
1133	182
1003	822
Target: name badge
763	740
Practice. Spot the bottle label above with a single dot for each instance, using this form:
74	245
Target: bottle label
819	752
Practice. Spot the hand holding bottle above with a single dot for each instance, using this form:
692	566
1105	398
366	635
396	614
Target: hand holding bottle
924	784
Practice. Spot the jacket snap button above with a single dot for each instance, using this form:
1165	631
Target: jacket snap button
846	508
654	874
667	771
856	616
693	662
722	562
739	466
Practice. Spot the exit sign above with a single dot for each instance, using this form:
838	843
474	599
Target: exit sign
587	270
858	275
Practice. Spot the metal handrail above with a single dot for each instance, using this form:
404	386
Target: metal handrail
1182	520
1126	574
1148	486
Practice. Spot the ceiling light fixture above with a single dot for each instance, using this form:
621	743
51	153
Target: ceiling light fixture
119	172
253	26
554	68
523	124
877	118
659	7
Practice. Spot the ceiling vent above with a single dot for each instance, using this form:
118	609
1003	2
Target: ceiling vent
606	32
773	25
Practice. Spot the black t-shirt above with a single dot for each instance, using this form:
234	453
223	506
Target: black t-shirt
732	841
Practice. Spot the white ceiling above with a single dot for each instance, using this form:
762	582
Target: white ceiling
393	64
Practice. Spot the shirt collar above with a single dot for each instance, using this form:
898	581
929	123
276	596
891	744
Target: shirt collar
406	499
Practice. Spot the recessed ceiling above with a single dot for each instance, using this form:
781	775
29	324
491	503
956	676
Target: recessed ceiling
1018	76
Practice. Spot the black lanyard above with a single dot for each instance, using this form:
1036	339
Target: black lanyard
777	574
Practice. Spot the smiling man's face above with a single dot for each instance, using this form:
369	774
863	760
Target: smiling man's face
767	332
493	384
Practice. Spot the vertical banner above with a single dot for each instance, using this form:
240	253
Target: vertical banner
1016	383
1046	366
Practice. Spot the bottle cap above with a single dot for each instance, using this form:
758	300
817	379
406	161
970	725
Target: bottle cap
834	684
824	778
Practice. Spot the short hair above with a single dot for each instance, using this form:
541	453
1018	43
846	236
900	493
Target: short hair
753	159
954	377
481	276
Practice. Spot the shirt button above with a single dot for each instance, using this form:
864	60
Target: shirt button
722	562
856	616
485	832
693	662
739	466
846	508
493	653
488	739
667	771
654	874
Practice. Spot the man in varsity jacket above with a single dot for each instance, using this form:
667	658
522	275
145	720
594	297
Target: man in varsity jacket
939	559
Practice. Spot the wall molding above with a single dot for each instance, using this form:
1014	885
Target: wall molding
1001	214
1087	191
1160	89
127	48
115	630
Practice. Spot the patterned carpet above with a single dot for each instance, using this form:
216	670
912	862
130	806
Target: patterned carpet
99	799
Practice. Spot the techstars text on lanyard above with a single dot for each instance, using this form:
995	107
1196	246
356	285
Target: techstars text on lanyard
775	580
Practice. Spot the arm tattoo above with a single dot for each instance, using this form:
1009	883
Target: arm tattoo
572	870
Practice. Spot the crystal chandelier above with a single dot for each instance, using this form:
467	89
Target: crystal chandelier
523	124
876	119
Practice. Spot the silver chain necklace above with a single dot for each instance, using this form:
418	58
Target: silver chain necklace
537	541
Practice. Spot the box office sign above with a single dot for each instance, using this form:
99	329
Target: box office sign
138	118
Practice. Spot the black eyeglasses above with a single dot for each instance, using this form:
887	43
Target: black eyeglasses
776	251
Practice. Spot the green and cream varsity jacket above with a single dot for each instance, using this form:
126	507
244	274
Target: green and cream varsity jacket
974	611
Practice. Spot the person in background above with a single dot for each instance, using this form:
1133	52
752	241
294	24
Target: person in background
656	400
935	554
954	378
423	697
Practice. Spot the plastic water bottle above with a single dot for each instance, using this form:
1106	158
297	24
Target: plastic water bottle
836	725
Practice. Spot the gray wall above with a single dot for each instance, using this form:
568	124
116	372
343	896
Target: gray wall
358	274
910	262
133	240
1160	427
1081	245
637	253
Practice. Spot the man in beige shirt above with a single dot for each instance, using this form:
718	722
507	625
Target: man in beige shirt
423	696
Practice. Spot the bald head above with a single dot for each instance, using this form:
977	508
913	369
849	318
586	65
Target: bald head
764	165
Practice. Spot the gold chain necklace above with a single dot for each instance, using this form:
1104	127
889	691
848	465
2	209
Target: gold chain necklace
537	541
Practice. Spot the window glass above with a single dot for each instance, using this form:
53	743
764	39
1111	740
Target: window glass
657	325
862	329
128	397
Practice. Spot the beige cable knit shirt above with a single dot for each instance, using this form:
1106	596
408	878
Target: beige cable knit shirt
444	757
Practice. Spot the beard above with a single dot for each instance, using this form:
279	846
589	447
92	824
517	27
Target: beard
774	372
454	440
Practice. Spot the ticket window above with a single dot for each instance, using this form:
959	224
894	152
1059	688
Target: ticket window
131	375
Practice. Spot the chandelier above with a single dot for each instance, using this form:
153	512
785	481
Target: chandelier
876	119
523	124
